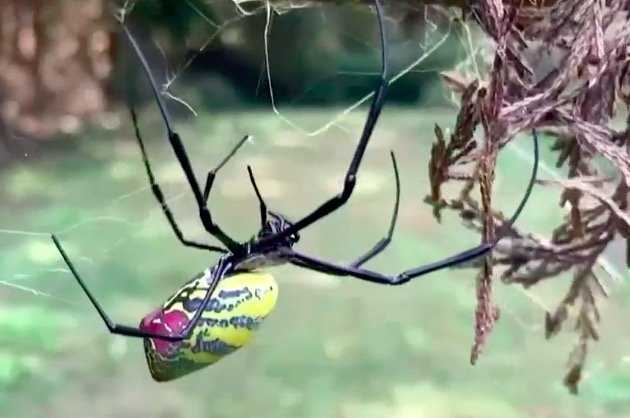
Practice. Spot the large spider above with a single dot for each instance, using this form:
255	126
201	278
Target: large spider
217	311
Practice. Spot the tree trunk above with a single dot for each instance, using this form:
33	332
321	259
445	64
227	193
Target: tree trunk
55	59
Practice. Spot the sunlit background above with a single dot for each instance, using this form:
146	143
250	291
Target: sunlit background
334	347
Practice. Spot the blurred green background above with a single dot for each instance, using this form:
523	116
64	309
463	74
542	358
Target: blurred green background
334	347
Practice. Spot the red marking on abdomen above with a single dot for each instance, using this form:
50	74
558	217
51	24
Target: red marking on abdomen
166	323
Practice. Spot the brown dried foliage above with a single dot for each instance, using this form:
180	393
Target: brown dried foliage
55	60
564	69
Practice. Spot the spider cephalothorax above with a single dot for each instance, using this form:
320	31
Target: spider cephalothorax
217	311
276	223
277	252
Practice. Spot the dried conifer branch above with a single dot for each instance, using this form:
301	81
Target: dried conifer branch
563	67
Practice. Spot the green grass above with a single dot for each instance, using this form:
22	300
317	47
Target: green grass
333	347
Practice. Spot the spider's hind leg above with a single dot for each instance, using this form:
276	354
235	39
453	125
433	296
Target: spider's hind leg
126	330
159	196
182	156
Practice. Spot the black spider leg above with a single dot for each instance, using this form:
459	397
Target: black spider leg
380	245
212	173
312	263
374	112
119	329
159	196
384	242
180	152
261	202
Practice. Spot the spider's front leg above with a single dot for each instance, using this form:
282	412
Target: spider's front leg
374	112
261	202
356	271
309	262
312	263
378	247
384	242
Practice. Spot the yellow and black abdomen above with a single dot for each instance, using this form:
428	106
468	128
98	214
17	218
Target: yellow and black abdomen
237	307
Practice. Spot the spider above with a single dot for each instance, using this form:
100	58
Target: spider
217	311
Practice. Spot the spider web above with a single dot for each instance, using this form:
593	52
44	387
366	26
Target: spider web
30	279
469	64
22	281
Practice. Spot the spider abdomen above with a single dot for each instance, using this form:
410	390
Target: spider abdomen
235	310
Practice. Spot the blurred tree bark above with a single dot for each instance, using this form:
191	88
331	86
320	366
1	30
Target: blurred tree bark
55	59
